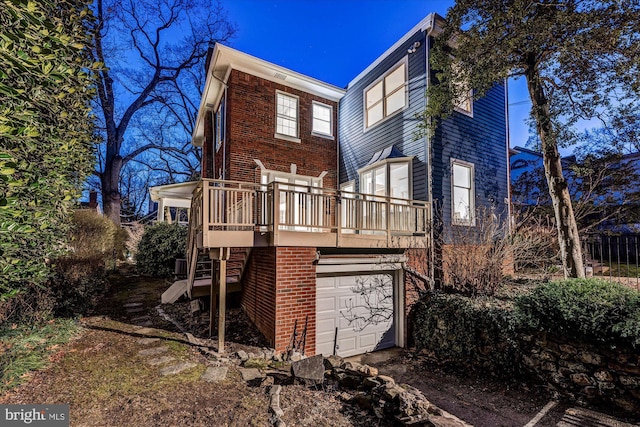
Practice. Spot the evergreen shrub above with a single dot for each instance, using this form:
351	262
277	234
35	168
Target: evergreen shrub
159	248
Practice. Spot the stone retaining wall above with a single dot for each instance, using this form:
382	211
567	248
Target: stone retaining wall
584	372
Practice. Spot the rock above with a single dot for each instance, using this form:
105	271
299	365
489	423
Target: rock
274	404
350	381
332	362
295	356
603	375
581	379
176	369
569	349
576	367
269	353
267	381
412	403
153	351
392	392
606	386
545	355
160	360
371	382
145	331
277	357
135	310
548	366
590	358
311	368
256	362
357	368
345	397
250	374
363	401
242	355
140	319
387	381
630	382
214	374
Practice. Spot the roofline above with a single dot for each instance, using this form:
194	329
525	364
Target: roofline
426	24
241	61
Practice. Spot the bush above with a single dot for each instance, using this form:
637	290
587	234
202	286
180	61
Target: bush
77	284
96	235
590	310
159	248
466	332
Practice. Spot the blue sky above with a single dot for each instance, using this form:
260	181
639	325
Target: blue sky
334	40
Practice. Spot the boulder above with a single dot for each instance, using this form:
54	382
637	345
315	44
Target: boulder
311	368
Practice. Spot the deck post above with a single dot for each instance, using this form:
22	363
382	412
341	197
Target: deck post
222	302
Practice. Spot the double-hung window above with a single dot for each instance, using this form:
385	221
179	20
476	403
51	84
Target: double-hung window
321	122
286	115
463	100
462	197
386	96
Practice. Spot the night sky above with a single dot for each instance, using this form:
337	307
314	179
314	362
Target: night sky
334	40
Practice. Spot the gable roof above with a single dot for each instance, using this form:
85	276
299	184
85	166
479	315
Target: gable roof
224	59
432	22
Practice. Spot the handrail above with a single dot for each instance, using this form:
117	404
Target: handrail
220	205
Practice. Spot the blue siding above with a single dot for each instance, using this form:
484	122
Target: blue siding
480	140
357	146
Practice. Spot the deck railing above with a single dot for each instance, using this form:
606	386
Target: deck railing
278	208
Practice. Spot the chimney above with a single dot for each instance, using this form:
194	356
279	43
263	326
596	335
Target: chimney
93	199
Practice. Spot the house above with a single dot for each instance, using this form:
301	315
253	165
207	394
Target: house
604	189
316	201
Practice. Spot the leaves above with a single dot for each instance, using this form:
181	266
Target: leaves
46	141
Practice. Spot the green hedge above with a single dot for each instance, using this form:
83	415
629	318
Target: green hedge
159	247
589	310
463	331
488	332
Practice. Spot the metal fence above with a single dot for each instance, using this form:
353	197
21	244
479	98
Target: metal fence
613	257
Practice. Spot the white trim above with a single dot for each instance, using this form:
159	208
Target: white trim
472	194
331	121
296	137
427	24
404	61
386	162
392	264
468	113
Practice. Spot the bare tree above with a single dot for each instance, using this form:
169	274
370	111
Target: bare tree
149	50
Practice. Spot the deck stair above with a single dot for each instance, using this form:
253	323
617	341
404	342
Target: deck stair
202	276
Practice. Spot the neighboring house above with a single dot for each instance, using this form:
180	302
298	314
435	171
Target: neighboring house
316	201
605	191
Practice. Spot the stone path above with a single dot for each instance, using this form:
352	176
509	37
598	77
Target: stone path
153	349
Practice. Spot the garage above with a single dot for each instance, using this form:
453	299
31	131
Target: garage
357	307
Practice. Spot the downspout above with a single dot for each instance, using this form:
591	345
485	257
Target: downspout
506	114
429	153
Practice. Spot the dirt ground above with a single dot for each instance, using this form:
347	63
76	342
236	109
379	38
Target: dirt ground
106	381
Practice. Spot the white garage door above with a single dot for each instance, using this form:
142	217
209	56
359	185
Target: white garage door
360	305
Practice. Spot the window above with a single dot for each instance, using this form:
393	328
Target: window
286	115
321	120
462	198
386	96
464	99
388	178
219	118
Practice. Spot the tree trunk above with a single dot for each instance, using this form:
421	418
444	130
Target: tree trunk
568	238
111	190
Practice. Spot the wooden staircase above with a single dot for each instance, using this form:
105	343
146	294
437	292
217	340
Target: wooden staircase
201	284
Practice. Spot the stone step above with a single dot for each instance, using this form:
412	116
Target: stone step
160	360
176	369
214	374
154	351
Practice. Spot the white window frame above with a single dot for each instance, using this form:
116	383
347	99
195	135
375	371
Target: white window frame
295	138
313	118
404	87
471	221
219	118
459	104
386	163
